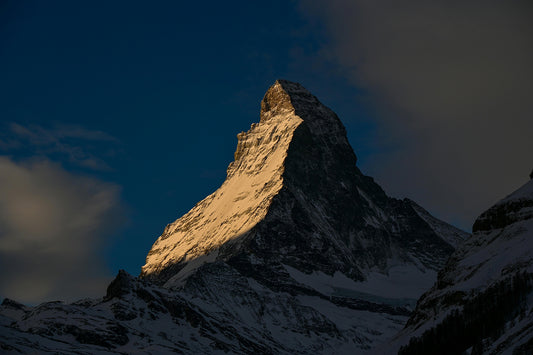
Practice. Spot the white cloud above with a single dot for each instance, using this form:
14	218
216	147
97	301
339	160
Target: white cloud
53	227
452	83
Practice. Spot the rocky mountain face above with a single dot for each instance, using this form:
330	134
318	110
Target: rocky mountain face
297	252
294	196
483	299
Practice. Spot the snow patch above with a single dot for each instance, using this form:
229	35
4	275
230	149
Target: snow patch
191	266
402	285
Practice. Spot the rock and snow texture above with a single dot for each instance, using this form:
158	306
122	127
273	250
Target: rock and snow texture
483	298
222	312
297	252
296	216
294	196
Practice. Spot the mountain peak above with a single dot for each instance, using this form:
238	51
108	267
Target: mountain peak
286	97
294	196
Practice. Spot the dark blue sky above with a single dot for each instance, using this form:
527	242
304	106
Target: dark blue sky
117	117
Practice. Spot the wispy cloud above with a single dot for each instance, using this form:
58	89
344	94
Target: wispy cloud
54	226
70	142
452	83
73	131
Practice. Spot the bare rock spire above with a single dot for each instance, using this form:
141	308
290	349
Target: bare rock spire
294	196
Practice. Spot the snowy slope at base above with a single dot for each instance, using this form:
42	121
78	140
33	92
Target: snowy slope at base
403	284
245	317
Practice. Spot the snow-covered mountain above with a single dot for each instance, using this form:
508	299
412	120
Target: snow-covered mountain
483	299
294	196
297	252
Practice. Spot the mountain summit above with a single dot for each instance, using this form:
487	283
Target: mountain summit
294	196
297	252
296	217
291	120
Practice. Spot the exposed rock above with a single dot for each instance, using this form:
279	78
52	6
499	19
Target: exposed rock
120	286
295	196
9	303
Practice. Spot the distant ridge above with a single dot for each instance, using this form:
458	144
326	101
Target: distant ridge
482	299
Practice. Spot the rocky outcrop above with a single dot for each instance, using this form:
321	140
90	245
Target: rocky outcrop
120	286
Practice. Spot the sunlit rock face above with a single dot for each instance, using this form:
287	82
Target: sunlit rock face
295	196
484	292
297	252
227	216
